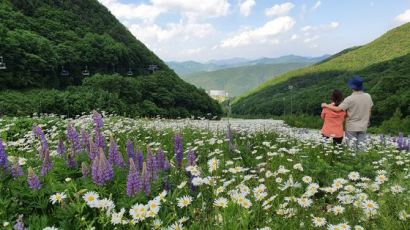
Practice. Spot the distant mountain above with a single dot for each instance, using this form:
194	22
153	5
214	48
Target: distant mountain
238	80
383	63
190	67
229	62
289	59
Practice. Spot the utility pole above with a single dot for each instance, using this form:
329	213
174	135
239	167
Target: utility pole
284	106
291	100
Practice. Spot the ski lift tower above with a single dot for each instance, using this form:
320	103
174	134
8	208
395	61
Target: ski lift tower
85	72
2	63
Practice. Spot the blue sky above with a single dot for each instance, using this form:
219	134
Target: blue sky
201	30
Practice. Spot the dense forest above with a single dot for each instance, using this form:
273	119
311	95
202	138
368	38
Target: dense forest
384	64
55	47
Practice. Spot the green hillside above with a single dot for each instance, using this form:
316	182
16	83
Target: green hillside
238	80
190	67
384	64
48	45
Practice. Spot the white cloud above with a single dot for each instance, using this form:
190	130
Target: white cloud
149	12
264	34
294	37
279	10
152	33
308	29
246	7
317	5
132	11
207	8
404	17
192	51
311	39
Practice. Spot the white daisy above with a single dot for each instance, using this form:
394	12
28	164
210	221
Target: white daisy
184	201
91	198
221	202
318	221
58	197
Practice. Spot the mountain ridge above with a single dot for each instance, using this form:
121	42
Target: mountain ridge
383	63
189	67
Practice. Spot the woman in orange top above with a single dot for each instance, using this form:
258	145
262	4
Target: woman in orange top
333	121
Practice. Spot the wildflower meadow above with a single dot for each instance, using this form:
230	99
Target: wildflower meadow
101	171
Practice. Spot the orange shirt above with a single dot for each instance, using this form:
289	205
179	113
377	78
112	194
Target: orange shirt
332	123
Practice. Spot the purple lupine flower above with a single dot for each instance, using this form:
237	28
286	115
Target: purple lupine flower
71	162
145	180
167	165
403	144
84	169
19	224
98	121
178	150
4	162
61	147
191	157
73	138
93	150
165	184
85	139
38	132
133	180
160	159
139	160
16	170
129	147
47	165
99	139
114	157
98	124
102	170
33	180
151	165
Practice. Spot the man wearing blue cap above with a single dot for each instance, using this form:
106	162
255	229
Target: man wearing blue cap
358	107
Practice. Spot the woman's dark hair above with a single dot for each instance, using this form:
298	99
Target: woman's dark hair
337	97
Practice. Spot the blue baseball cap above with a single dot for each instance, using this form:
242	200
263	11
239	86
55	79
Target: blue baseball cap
356	83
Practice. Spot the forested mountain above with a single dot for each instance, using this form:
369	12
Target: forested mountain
192	67
52	44
238	80
383	63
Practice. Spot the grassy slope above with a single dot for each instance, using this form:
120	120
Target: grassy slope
384	64
394	43
238	80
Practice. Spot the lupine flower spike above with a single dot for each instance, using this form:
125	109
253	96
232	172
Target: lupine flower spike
102	170
33	180
4	163
133	181
178	150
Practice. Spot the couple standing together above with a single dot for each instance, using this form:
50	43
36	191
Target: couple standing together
354	109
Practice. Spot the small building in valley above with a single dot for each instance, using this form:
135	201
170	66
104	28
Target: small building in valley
219	95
